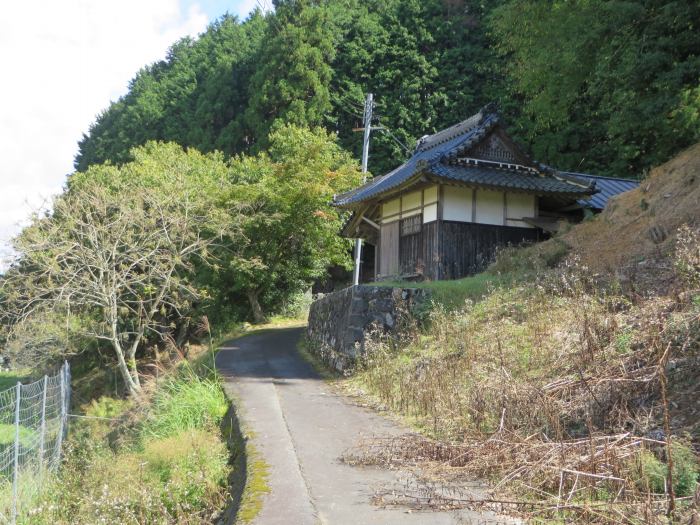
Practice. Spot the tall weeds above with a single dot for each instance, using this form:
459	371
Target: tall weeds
557	383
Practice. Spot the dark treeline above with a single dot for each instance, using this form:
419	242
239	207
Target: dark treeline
609	87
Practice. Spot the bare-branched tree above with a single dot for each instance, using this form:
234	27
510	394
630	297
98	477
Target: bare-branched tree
124	260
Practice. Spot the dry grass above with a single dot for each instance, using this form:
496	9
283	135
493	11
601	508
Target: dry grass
552	390
638	228
597	479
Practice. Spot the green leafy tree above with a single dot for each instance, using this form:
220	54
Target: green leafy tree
606	86
291	82
290	227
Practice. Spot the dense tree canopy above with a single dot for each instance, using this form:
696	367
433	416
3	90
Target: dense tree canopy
290	229
608	87
308	64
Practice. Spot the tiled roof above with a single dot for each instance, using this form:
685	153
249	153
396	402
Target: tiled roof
435	154
607	187
518	180
429	151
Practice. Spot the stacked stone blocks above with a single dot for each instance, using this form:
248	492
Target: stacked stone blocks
340	322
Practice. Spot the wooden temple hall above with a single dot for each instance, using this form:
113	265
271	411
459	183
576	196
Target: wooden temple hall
465	192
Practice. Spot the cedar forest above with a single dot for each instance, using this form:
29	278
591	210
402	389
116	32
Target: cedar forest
604	87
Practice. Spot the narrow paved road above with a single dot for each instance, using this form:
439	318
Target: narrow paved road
301	428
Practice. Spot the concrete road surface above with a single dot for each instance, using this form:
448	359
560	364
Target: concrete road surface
301	428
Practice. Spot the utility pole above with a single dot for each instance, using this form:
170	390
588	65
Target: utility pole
367	124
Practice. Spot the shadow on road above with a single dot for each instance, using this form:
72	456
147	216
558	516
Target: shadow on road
231	430
269	354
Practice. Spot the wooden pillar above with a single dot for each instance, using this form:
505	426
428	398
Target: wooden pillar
438	256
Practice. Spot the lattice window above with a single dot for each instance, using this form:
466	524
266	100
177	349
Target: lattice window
411	225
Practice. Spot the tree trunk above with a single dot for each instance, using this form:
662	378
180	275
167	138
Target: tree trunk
132	387
258	315
182	332
131	357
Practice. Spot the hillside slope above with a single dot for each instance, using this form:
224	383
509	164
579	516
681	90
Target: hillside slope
573	381
638	229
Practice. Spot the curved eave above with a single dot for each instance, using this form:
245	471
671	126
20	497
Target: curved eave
584	194
380	195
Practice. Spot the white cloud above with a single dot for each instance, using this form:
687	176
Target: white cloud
62	62
243	7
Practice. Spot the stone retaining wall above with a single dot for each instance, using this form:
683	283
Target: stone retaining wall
340	321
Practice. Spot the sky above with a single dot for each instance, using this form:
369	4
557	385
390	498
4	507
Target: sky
61	63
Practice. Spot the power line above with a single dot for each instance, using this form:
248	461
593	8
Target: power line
394	137
349	111
348	97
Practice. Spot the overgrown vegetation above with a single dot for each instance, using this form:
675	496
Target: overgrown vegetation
552	391
160	462
573	390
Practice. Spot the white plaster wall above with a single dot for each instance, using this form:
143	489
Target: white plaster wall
489	207
519	205
430	213
457	205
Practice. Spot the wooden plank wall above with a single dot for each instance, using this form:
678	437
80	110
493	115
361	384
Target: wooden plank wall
389	249
445	249
411	245
431	251
468	248
411	253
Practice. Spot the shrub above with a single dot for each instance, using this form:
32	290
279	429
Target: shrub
653	471
297	306
101	412
183	403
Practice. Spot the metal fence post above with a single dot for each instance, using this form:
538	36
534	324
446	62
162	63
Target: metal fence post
15	474
42	436
68	396
47	448
61	421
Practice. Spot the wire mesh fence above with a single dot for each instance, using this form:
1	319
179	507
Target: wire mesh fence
33	424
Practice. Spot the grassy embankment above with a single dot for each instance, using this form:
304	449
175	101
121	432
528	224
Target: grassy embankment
567	374
8	379
161	459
